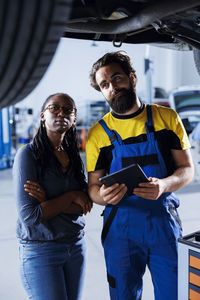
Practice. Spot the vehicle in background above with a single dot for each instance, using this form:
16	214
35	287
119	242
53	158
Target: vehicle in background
160	96
186	101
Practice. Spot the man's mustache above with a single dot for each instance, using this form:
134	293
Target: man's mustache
115	92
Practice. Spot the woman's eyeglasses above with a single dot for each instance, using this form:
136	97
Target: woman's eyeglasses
55	109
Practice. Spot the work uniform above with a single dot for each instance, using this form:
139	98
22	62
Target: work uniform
139	231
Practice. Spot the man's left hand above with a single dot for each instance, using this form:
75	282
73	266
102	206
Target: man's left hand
150	190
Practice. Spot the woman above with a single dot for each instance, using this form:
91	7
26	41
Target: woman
50	190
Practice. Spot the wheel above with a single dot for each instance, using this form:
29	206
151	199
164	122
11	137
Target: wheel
29	33
196	54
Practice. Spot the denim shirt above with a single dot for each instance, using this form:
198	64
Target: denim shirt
30	226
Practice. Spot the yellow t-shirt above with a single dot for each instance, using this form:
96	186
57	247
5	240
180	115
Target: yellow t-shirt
168	127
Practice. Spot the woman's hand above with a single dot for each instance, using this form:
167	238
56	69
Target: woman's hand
35	190
82	199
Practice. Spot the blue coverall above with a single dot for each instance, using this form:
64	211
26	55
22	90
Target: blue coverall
143	232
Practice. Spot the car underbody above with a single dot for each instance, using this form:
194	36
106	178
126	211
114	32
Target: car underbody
30	31
173	24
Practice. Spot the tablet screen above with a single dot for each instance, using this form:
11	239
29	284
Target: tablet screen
131	176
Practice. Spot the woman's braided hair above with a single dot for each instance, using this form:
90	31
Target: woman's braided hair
43	149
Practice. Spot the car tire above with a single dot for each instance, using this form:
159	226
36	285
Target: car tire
29	34
196	54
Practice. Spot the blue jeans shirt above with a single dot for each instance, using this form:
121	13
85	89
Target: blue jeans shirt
30	227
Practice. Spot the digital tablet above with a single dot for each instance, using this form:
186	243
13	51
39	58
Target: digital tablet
131	176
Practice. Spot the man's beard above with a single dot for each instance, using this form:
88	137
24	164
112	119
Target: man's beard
123	103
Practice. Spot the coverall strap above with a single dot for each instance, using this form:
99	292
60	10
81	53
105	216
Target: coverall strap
114	137
108	223
149	125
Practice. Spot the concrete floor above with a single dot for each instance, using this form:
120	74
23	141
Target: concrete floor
95	282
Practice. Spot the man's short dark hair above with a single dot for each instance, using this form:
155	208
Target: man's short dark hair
112	57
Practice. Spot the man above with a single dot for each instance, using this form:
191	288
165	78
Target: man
141	229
